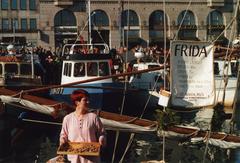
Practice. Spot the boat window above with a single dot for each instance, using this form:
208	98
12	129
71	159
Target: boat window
79	69
158	79
152	66
1	69
25	69
234	68
103	69
92	69
216	69
67	69
11	68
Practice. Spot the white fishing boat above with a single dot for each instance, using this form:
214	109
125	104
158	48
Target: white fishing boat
226	81
19	70
18	73
153	81
82	64
149	82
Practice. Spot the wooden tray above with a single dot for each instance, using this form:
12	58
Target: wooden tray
80	148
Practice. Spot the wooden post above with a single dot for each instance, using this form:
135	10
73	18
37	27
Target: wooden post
5	135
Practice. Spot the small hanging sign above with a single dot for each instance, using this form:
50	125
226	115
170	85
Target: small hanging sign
164	98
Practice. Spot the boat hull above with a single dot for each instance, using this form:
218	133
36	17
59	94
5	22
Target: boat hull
111	99
230	92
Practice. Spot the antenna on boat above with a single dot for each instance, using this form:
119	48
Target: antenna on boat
32	58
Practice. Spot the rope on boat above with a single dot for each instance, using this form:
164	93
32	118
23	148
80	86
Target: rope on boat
124	95
131	120
43	122
194	133
128	145
18	94
224	137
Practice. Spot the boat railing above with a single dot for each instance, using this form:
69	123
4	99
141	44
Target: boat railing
222	68
15	69
99	48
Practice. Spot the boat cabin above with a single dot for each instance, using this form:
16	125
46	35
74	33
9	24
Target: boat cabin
85	61
222	67
82	67
146	80
14	72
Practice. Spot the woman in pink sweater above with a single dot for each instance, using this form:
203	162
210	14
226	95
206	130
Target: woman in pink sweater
82	126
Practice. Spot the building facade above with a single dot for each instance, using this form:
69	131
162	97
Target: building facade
52	23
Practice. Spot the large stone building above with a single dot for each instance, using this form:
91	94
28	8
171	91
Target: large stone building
51	23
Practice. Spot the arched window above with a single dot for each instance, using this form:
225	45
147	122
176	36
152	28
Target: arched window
65	18
130	24
65	27
186	17
156	26
99	18
187	23
215	18
130	18
100	27
215	26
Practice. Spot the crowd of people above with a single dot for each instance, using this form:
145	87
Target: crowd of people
48	61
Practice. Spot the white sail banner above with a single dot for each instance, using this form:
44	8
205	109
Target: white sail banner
192	75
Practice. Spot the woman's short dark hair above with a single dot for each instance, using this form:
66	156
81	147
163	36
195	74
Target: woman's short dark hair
77	95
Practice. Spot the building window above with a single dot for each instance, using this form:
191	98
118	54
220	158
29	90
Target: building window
15	24
215	26
4	4
215	18
187	24
23	4
24	24
14	4
32	4
156	26
130	18
99	18
186	18
33	24
5	24
65	18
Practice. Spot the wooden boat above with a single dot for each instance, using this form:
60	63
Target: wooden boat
195	135
24	102
30	103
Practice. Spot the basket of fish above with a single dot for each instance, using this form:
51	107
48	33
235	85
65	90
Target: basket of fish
79	148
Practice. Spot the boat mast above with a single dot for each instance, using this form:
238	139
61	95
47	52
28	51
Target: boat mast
164	80
120	9
89	23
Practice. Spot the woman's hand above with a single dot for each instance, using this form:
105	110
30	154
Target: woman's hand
102	141
62	141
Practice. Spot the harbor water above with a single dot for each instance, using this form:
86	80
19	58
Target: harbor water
147	147
39	142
